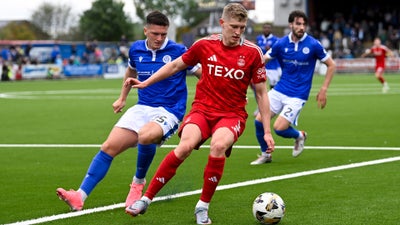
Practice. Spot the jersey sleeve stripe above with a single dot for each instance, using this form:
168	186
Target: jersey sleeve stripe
252	45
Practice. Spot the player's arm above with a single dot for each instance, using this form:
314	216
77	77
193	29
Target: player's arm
166	71
197	70
262	100
389	52
366	53
321	96
119	104
266	58
130	72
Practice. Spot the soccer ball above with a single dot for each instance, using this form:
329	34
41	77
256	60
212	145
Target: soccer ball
268	208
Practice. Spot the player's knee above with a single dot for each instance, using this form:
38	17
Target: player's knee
150	135
279	127
111	149
218	149
146	138
183	151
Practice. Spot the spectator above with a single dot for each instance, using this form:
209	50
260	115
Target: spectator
54	53
99	58
124	41
5	72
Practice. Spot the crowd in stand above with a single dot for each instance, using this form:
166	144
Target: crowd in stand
346	35
93	53
13	56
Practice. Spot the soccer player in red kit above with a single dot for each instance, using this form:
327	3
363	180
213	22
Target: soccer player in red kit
379	51
229	63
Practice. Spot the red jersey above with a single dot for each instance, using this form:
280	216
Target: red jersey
226	74
380	55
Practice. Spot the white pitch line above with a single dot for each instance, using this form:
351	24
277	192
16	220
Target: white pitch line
221	187
203	146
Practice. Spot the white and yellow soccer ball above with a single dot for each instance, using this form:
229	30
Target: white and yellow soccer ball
269	208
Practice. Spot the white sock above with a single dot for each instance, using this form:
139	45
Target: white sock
146	199
266	154
83	194
201	204
138	181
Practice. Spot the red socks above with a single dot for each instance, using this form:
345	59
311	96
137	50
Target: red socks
212	175
164	173
167	169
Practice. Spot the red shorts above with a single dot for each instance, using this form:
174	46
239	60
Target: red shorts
209	123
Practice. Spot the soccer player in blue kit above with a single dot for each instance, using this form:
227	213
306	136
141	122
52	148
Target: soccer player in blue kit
297	54
155	117
265	41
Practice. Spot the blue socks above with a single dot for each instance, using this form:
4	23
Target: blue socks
102	162
260	135
288	133
96	172
145	157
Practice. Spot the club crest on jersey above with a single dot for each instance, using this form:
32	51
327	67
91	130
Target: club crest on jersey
166	59
241	62
306	50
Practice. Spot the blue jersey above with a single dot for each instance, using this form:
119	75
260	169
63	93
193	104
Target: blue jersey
297	61
170	93
266	43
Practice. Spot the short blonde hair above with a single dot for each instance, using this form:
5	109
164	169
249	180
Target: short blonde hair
235	11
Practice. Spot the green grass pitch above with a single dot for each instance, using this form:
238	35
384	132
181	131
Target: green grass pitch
51	129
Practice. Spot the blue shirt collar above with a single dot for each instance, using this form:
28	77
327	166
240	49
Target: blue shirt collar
302	39
162	46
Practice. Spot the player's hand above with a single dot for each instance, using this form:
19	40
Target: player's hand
270	142
321	99
265	59
118	105
134	83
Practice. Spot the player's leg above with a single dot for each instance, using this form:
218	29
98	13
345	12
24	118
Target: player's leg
145	157
287	117
226	132
221	140
379	75
118	141
191	138
275	105
273	77
265	156
162	126
121	137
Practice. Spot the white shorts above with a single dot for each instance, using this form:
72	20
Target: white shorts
287	107
139	115
274	76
